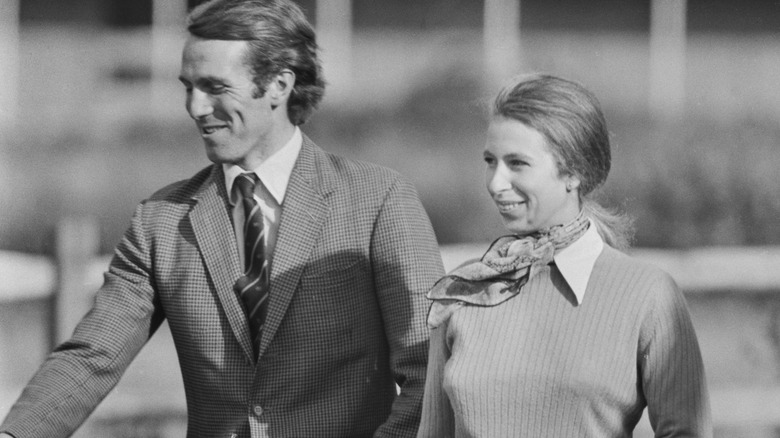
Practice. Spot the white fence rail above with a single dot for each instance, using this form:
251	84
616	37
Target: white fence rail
699	270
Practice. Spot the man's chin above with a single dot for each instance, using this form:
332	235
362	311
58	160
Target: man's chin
215	154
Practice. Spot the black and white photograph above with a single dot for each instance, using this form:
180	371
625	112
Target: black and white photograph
389	218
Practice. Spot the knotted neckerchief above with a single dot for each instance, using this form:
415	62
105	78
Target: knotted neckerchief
504	269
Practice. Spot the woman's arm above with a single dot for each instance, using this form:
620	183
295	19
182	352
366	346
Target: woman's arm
670	361
437	417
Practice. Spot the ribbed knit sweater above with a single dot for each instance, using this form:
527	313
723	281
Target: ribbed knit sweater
542	365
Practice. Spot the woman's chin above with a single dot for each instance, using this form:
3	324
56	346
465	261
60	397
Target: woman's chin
518	226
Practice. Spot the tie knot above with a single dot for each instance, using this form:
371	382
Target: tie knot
246	184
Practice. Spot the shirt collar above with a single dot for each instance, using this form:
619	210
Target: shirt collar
576	261
274	172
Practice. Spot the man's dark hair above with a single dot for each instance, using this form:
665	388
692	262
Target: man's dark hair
279	38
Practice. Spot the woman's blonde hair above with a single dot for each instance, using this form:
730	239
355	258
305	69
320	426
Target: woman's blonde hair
570	118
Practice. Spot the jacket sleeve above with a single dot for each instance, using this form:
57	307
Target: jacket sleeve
671	368
76	377
406	262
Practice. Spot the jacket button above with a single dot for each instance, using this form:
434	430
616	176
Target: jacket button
258	410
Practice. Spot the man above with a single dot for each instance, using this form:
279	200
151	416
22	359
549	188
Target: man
292	280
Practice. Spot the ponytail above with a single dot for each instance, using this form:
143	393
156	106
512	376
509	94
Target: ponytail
617	229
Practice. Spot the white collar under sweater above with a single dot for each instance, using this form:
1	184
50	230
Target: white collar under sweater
576	260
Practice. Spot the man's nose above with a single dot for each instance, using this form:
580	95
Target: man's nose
198	104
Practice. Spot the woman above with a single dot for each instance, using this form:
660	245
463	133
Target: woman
555	332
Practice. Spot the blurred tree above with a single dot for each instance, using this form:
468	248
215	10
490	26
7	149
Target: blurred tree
126	13
418	14
593	15
734	16
67	11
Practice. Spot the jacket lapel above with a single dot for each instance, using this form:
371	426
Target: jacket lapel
216	239
304	211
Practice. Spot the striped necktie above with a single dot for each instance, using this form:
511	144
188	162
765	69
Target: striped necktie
252	287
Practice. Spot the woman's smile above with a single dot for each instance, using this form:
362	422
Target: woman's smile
508	206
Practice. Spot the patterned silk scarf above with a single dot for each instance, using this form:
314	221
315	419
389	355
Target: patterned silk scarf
504	269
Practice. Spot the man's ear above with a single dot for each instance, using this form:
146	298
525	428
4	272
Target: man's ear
280	87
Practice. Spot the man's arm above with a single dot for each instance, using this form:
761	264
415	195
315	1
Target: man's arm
80	372
406	263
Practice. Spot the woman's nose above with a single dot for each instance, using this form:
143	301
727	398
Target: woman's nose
498	180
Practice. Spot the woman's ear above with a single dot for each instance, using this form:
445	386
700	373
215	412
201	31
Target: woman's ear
572	182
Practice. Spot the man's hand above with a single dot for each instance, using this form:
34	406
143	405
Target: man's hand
5	435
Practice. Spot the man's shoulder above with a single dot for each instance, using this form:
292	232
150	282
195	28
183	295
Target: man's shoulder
363	169
176	200
183	190
355	173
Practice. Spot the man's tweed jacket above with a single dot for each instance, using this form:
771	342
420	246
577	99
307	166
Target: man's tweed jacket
346	321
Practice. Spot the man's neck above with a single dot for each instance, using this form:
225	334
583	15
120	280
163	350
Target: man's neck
275	141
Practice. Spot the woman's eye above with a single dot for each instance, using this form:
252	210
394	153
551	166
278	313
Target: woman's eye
516	163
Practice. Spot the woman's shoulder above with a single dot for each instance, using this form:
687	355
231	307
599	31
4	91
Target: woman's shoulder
642	275
637	284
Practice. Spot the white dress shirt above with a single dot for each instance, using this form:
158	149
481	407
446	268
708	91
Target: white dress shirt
576	260
274	175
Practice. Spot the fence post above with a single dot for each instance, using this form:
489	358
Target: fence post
501	41
334	35
167	40
78	242
9	66
667	58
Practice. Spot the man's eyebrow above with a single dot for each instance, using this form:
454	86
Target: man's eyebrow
203	80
